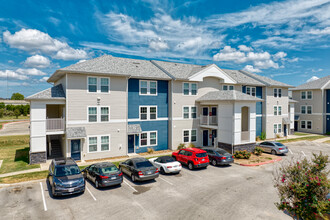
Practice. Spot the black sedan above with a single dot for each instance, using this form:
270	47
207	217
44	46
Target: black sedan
218	156
103	174
139	169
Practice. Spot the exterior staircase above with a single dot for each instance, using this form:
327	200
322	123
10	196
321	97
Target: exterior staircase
56	149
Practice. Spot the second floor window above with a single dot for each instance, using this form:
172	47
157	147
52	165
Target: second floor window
98	114
148	87
104	114
92	84
189	88
98	84
306	95
92	114
306	109
251	90
148	112
189	112
227	87
277	110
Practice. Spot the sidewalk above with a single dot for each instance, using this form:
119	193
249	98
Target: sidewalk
292	136
322	140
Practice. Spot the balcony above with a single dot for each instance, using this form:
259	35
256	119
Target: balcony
55	124
245	136
208	120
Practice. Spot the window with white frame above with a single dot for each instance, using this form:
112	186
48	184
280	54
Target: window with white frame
105	114
251	90
105	144
148	87
309	94
303	109
186	112
277	128
309	109
227	87
189	136
189	112
98	143
193	112
309	124
277	110
92	114
92	144
303	95
148	112
98	114
277	92
306	109
98	84
148	138
303	124
189	88
306	124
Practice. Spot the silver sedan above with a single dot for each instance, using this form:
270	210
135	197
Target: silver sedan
274	147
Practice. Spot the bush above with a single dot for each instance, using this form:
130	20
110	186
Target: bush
278	135
2	112
191	145
263	135
242	154
2	105
303	187
181	146
8	113
17	113
150	150
258	151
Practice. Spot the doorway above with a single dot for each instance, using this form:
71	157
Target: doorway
285	130
75	149
205	138
130	144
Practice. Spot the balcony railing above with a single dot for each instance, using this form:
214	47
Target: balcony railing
55	124
208	120
245	136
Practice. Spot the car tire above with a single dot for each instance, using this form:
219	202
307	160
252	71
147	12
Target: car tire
273	152
214	162
190	166
53	192
162	171
133	178
97	184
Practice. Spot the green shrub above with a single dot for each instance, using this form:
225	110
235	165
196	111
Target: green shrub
242	154
258	151
2	105
328	133
303	187
191	145
17	113
150	150
8	113
181	146
2	112
263	136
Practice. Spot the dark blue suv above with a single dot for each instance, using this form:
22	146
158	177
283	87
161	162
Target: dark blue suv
65	177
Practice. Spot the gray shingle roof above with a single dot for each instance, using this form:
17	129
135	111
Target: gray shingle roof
75	132
55	92
228	95
265	80
116	66
242	78
134	129
316	84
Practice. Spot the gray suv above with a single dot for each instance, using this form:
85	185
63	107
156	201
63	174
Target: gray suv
274	147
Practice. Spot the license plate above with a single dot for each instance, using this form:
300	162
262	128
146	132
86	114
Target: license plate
113	178
203	159
70	190
148	172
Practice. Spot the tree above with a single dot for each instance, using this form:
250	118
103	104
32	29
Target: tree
17	96
2	105
17	113
303	186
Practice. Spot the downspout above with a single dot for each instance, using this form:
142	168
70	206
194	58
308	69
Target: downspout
126	139
233	134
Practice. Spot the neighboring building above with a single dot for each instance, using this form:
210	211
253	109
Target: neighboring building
110	106
312	110
14	102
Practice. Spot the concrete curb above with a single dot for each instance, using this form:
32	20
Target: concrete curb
11	122
258	164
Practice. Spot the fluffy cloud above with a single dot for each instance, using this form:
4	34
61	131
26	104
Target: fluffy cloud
9	74
44	79
245	48
37	61
324	31
35	41
280	55
158	45
312	79
30	72
250	68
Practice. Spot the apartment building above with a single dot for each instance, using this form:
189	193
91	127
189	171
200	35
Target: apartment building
109	106
312	109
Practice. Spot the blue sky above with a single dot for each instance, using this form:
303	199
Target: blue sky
288	41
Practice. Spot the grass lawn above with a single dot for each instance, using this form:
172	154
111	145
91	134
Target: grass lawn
1	124
24	177
301	134
14	118
308	138
14	151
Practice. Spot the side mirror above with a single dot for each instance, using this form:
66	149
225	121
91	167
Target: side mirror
50	174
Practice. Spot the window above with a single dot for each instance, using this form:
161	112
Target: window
92	144
279	93
279	110
303	95
148	112
189	112
309	124
92	84
306	109
189	136
227	87
306	124
303	124
92	114
309	109
251	90
189	88
148	87
303	109
148	138
275	92
277	128
275	110
105	143
105	85
309	94
104	114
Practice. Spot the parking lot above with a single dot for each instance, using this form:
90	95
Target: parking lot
231	192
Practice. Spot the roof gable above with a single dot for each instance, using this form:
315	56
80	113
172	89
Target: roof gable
212	71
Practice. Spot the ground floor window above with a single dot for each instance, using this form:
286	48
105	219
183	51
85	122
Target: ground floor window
277	128
92	144
148	138
306	124
99	143
189	135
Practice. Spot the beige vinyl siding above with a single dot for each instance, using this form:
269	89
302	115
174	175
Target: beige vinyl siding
62	81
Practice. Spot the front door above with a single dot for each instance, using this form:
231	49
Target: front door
205	138
205	111
285	131
130	144
75	149
296	126
214	136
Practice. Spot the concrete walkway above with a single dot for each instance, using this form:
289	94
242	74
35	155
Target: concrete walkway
20	172
322	140
15	128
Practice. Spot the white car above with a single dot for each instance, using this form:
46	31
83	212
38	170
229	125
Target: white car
166	164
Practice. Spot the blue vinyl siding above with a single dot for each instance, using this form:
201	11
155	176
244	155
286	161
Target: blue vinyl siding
328	110
258	126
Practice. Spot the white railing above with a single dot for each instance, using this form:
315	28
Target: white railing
55	124
245	136
208	120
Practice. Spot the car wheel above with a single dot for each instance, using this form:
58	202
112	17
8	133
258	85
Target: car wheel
53	192
190	166
273	152
214	162
162	171
97	184
133	178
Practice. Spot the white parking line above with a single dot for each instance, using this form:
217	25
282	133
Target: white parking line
90	193
303	153
290	151
130	186
166	180
192	174
43	197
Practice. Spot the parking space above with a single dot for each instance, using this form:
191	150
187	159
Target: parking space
228	192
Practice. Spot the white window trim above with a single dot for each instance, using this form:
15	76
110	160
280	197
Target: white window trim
301	125
189	89
305	95
189	141
98	143
307	109
301	107
251	87
277	110
277	92
148	112
148	139
98	114
228	86
189	112
277	126
148	87
98	84
275	106
306	126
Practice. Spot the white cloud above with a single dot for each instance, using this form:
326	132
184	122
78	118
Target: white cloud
280	55
312	79
158	45
266	64
31	72
35	41
9	74
37	61
245	48
80	61
250	68
44	79
324	31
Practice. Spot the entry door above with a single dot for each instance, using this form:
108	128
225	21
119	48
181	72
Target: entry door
214	111
130	143
285	131
214	135
205	111
205	138
75	149
296	126
328	124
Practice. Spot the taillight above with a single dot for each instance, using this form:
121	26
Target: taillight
140	173
120	174
169	167
232	156
156	170
104	177
280	148
222	158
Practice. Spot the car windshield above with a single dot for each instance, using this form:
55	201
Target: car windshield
201	155
167	160
279	144
143	164
222	152
66	170
109	170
